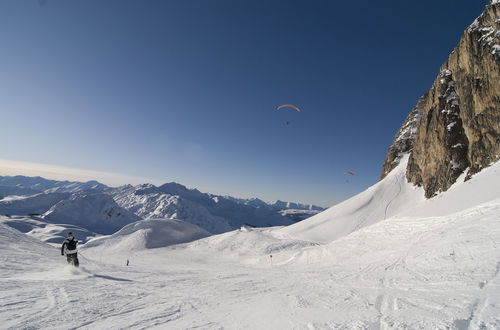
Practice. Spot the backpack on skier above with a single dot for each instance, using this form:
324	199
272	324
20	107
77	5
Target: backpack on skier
69	249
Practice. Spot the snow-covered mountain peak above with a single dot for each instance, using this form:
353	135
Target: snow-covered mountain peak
175	188
146	188
96	212
193	195
214	213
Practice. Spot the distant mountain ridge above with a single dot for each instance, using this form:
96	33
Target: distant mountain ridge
149	202
32	204
24	185
214	213
277	205
97	212
108	209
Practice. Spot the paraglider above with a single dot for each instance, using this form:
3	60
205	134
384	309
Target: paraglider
349	173
288	106
291	106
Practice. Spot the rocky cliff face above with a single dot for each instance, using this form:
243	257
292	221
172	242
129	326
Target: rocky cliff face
455	126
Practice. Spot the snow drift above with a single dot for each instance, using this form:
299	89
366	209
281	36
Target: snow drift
47	232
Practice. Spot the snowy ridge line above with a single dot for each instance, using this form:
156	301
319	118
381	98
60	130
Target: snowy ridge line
214	213
364	209
395	196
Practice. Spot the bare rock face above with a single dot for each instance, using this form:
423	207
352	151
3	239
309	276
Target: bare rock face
455	126
405	138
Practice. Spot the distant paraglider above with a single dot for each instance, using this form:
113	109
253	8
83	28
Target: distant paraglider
288	106
349	173
291	106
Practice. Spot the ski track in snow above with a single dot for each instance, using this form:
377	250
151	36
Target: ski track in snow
436	273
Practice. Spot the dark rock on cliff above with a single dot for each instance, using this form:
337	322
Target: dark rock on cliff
455	126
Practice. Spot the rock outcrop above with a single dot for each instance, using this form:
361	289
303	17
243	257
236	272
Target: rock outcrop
455	126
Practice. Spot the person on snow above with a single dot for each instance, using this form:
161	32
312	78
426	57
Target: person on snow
69	248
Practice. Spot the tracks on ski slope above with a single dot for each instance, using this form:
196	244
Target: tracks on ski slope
362	221
406	281
395	196
45	304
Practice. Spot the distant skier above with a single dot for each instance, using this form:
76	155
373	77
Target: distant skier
69	248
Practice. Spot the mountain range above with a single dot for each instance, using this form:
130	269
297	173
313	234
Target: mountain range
102	209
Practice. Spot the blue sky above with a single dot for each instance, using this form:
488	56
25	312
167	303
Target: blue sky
187	90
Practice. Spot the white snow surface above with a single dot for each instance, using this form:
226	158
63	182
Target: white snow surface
386	198
47	232
147	234
385	259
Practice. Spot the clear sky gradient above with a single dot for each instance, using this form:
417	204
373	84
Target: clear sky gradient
187	90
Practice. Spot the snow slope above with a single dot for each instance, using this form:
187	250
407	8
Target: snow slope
481	188
38	204
146	234
17	191
386	198
394	196
402	273
46	232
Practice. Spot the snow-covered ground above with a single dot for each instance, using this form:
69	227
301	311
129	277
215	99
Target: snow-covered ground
386	259
47	232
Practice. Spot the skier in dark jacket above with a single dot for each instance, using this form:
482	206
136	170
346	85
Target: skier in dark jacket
69	248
